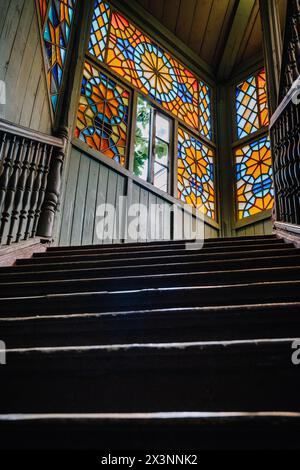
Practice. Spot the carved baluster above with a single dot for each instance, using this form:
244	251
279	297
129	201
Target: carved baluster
3	141
276	149
34	181
289	78
279	166
44	169
282	168
11	189
15	216
296	40
11	151
293	62
50	206
285	163
286	175
297	161
296	12
290	165
32	158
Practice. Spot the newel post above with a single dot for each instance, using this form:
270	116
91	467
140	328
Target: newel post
53	191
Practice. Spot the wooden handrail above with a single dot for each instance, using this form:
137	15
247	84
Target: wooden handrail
20	131
293	92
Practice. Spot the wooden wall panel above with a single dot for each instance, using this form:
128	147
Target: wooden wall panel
155	221
90	183
22	67
264	227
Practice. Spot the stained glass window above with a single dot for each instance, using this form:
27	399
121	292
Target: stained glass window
43	5
263	98
56	35
254	178
99	29
145	65
196	179
205	110
102	119
251	105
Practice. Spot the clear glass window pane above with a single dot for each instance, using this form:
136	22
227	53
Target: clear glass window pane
163	128
161	175
142	139
161	152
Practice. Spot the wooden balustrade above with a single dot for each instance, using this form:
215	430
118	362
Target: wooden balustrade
27	160
291	51
285	125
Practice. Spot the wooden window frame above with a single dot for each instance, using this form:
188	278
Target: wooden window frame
152	144
176	122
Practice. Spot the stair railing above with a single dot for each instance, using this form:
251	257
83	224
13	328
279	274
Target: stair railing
285	125
30	177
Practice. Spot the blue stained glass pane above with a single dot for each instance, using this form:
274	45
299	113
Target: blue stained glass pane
56	35
99	29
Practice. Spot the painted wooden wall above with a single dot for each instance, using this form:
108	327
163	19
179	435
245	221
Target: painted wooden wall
21	66
89	183
264	227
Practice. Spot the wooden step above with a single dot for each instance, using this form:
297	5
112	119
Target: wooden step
151	431
26	274
262	238
68	263
88	302
154	326
147	253
152	281
99	249
229	376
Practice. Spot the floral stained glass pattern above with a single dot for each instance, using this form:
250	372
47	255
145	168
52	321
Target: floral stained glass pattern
57	32
137	59
102	119
205	110
254	178
251	105
196	174
99	29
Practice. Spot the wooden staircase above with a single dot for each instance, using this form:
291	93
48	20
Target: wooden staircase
151	346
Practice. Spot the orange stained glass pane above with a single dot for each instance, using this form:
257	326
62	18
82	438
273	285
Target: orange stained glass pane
254	185
263	98
43	5
196	180
145	65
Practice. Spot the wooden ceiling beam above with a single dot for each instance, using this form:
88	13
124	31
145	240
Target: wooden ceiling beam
237	31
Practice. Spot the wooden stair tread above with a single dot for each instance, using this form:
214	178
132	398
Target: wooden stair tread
108	341
149	281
